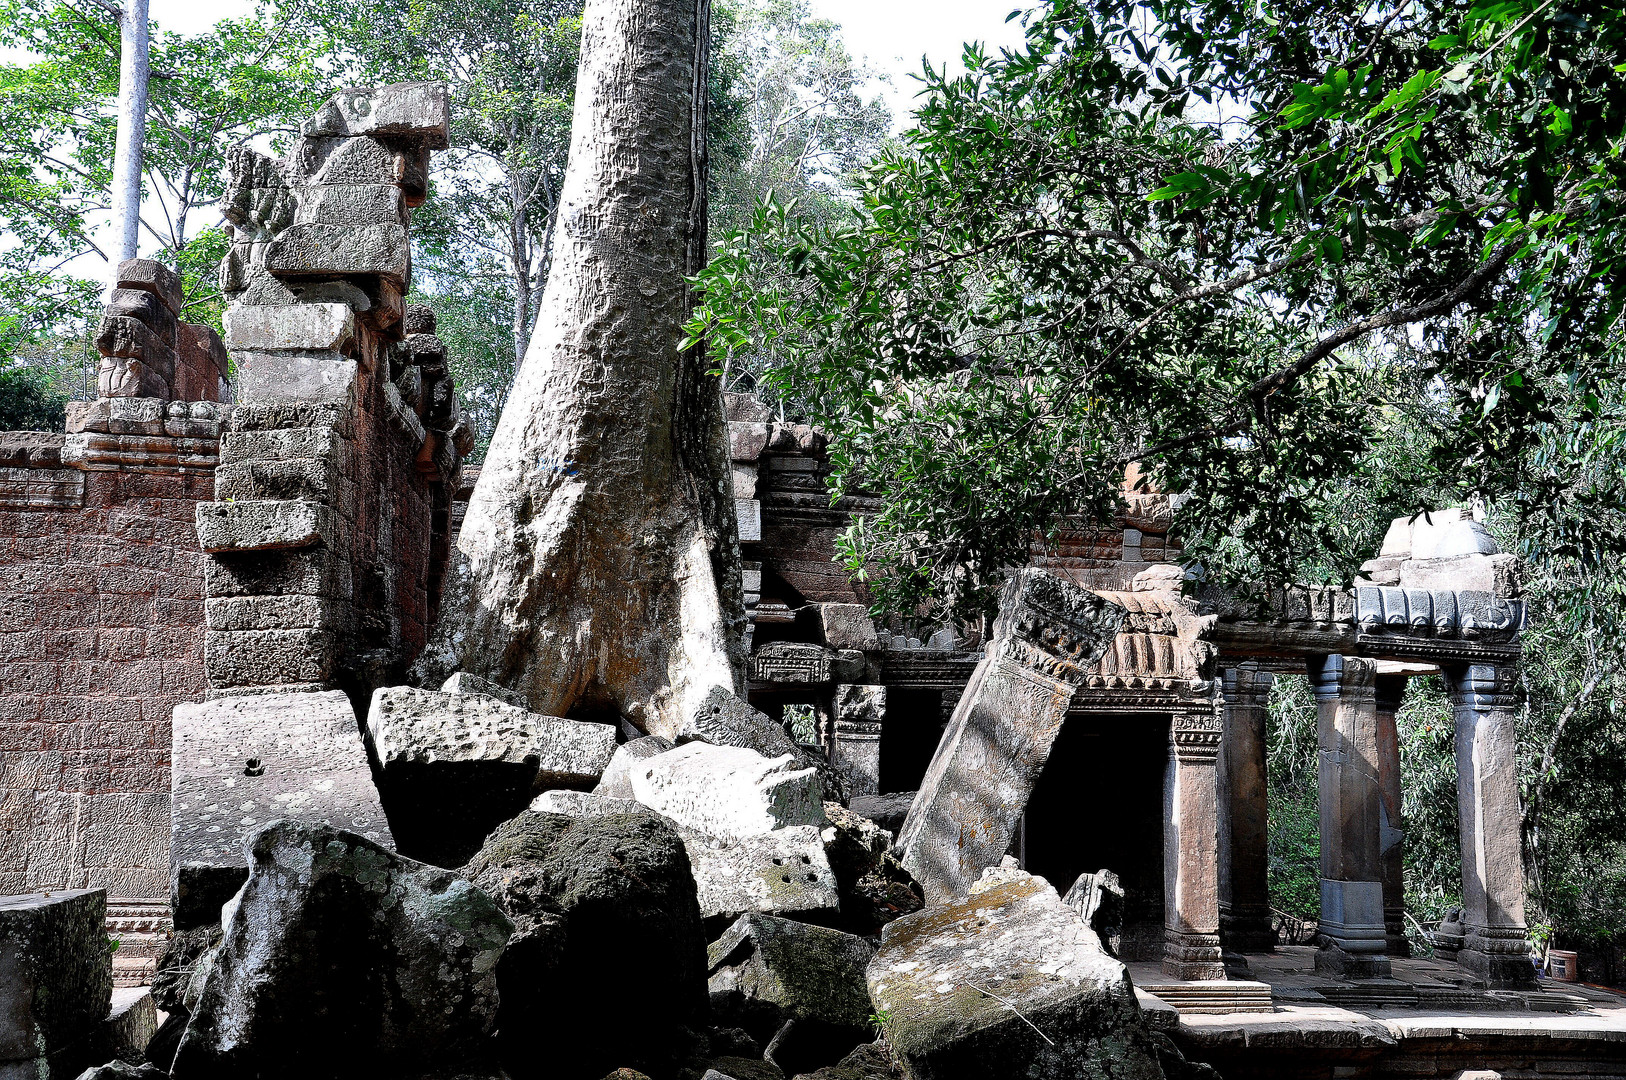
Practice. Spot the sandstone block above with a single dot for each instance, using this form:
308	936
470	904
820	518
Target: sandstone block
351	205
313	376
457	765
580	804
722	719
970	986
313	571
299	326
202	365
267	612
289	444
784	872
155	278
56	976
418	319
122	335
746	441
310	479
241	762
847	626
728	790
380	249
340	958
461	682
617	779
146	307
421	110
804	985
1049	636
873	885
244	658
262	524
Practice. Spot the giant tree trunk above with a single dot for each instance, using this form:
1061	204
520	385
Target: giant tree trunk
598	568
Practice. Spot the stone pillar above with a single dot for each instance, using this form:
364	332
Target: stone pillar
855	751
1483	696
1390	688
1191	915
1049	636
1347	777
1244	830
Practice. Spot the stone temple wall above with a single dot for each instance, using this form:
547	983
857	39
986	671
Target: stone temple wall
170	546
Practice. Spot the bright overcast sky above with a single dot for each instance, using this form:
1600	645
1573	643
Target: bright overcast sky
891	34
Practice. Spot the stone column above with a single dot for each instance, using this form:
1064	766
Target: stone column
1244	829
1347	777
1191	914
1484	697
1390	688
855	750
1049	636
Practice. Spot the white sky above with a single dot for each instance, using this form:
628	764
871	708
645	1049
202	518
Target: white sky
891	36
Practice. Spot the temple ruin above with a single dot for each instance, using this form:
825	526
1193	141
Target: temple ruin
217	589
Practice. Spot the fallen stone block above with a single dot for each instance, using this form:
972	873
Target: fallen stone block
873	885
798	987
868	1061
339	958
784	872
241	762
722	719
455	766
728	790
579	804
121	1070
295	326
617	779
56	980
889	811
263	524
605	914
1049	636
1099	900
1007	982
130	1024
462	682
156	278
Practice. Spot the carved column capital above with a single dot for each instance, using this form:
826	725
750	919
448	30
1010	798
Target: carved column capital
1195	733
1347	678
1485	686
1053	627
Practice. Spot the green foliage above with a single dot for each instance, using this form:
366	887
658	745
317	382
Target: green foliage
1294	815
28	402
1060	272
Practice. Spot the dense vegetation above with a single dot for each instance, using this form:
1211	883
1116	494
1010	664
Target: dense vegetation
1315	264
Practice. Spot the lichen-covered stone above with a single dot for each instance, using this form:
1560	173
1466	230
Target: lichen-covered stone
799	987
606	915
617	779
340	958
722	719
784	872
455	766
1007	982
56	977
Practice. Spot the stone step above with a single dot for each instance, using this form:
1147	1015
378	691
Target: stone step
1216	996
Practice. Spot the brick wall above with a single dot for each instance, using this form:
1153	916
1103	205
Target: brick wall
101	635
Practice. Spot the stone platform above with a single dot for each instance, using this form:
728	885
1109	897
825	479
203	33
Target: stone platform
1426	1021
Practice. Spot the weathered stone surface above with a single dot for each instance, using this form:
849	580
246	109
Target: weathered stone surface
130	1024
606	914
784	872
847	626
722	719
1098	899
420	110
124	335
339	249
308	376
292	659
874	886
297	326
339	959
805	985
1007	982
617	779
262	524
351	205
869	1061
462	682
241	762
120	1070
145	307
1050	634
56	979
889	811
155	278
856	756
457	765
578	804
728	790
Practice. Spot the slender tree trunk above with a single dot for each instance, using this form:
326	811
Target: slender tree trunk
598	567
132	133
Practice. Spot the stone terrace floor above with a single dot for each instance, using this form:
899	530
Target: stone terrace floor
1425	1022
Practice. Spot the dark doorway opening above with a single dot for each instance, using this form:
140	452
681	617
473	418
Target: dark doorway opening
914	727
1099	805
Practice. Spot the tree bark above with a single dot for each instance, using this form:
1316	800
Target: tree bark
132	133
598	567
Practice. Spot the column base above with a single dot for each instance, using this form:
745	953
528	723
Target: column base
1394	933
1191	956
1247	930
1337	963
1499	957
